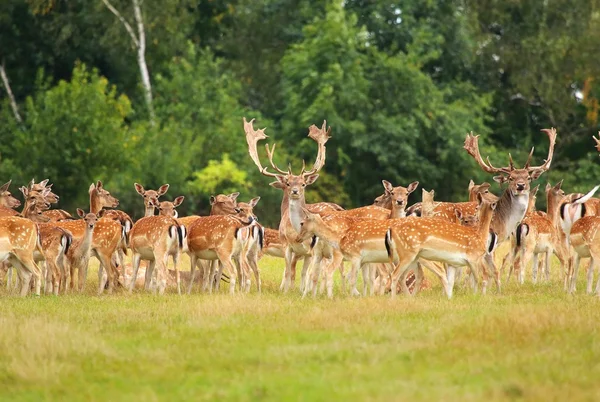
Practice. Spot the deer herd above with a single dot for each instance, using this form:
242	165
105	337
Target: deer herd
389	242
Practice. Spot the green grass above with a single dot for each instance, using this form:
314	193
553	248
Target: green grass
530	343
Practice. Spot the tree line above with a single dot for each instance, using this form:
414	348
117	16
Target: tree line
155	91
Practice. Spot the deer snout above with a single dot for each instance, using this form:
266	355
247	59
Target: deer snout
520	186
295	191
400	202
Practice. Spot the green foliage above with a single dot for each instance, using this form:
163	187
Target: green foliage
74	133
220	177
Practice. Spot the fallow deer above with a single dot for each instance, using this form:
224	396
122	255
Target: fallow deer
512	205
585	241
293	187
435	239
107	237
150	197
154	238
215	238
18	241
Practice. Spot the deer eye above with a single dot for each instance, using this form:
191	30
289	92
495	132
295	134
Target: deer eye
238	210
303	185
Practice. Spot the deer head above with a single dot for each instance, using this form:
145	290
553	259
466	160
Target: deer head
150	196
90	218
474	189
309	225
247	208
35	199
397	195
34	206
518	180
224	204
167	208
44	187
100	198
427	204
6	198
466	220
293	185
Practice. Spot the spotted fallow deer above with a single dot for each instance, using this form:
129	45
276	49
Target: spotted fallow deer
19	240
293	187
8	203
436	239
585	241
150	197
538	234
512	204
107	237
215	237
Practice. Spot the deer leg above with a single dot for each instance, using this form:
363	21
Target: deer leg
225	259
573	273
312	274
176	268
290	263
305	266
253	261
356	264
24	276
590	276
148	276
451	273
135	262
161	259
30	269
405	261
534	269
106	261
193	262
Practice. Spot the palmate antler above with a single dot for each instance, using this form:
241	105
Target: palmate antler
320	135
472	147
597	141
552	137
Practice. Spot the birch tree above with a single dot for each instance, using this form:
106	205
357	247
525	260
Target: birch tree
139	43
11	97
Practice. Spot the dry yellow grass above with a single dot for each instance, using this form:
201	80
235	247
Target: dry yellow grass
530	342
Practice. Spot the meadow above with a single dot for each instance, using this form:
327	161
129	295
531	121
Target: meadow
531	342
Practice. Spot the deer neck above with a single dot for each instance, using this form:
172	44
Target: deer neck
149	211
510	210
95	203
396	211
295	212
553	208
485	220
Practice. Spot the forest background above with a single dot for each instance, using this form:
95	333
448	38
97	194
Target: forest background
154	91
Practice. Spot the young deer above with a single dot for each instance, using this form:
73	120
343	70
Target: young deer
106	239
435	239
8	203
18	241
293	187
154	238
150	197
215	237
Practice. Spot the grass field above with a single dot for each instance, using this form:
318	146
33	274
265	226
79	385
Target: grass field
530	343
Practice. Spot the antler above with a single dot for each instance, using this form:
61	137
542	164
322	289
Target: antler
321	136
552	137
597	141
252	138
472	147
270	153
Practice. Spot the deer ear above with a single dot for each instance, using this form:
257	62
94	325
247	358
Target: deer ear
412	186
99	184
139	188
92	187
558	185
535	190
44	182
277	184
213	200
254	201
24	190
548	187
80	212
234	196
101	213
479	198
5	186
471	185
458	214
493	206
31	183
311	179
500	179
162	189
177	202
387	186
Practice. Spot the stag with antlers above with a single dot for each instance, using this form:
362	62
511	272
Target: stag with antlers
513	203
293	187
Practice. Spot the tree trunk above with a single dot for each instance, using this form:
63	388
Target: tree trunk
11	97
